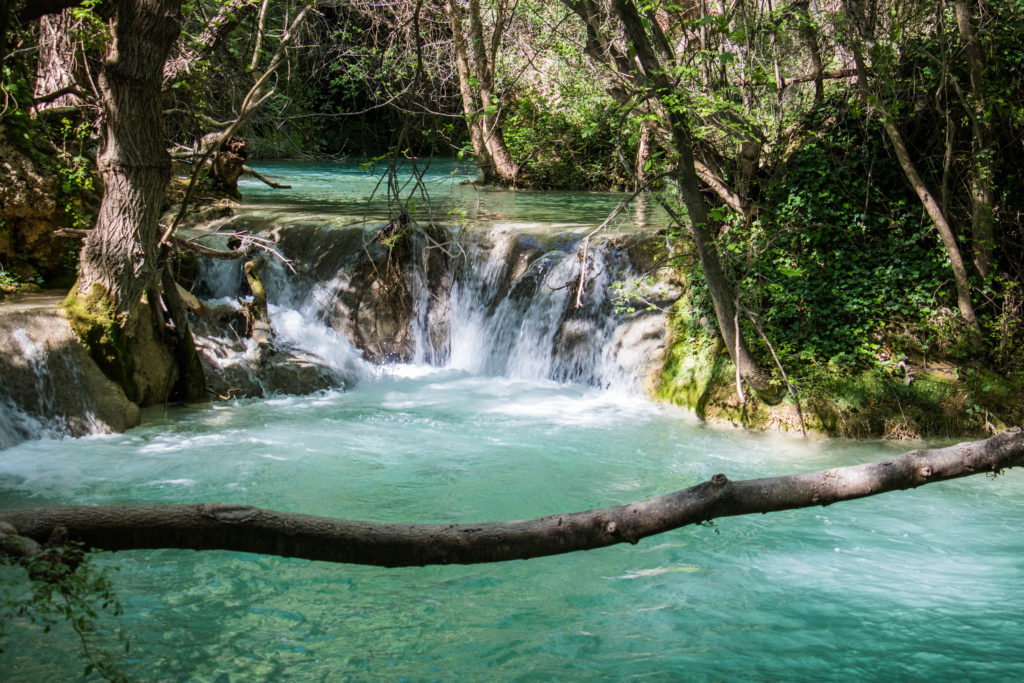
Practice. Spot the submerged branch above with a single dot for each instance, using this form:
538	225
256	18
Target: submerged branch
246	170
213	526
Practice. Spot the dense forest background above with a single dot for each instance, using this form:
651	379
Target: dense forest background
844	174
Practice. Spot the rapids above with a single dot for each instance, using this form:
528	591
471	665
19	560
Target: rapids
924	584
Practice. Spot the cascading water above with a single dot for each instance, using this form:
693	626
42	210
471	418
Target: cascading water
916	585
48	388
518	317
523	305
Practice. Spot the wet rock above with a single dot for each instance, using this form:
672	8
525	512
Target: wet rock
50	384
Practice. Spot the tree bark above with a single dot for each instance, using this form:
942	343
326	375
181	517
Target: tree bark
931	206
721	290
56	66
213	526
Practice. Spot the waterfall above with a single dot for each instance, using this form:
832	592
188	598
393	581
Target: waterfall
517	316
50	388
502	302
498	302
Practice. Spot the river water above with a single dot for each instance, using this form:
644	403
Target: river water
924	584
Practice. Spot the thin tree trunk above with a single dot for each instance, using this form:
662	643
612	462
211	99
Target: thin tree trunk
190	51
810	39
470	107
643	151
721	290
494	135
931	206
980	172
213	526
482	107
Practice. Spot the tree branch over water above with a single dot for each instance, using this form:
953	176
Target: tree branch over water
214	526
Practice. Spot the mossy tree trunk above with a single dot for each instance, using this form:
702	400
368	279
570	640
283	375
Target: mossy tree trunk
121	259
121	255
653	55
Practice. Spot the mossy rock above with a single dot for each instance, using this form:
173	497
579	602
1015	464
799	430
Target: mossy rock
943	401
100	327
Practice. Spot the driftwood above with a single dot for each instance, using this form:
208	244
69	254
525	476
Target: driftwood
264	179
210	526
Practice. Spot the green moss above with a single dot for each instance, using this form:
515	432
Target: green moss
942	401
693	361
97	323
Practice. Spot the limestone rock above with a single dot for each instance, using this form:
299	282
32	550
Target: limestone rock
28	215
50	384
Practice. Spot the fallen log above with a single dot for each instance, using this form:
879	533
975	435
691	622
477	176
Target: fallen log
214	526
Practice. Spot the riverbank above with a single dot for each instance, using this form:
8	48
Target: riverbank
912	400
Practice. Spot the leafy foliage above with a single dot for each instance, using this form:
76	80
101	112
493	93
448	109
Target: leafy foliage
63	587
564	148
842	264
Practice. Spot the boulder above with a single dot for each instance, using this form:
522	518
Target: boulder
50	385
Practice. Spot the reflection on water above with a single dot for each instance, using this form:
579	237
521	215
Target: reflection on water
907	585
342	190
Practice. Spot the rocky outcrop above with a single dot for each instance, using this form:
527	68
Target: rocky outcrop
50	384
500	301
28	217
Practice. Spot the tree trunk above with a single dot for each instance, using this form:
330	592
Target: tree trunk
213	526
190	51
57	64
721	290
121	259
810	38
481	108
980	171
643	152
469	105
192	378
931	206
228	166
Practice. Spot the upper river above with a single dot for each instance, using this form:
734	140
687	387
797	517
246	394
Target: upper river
916	585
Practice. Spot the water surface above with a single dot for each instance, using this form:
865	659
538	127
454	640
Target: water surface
916	585
350	193
909	585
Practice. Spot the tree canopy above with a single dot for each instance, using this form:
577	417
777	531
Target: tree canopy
842	172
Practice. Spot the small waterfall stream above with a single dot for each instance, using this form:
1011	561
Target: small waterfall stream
44	377
498	302
466	386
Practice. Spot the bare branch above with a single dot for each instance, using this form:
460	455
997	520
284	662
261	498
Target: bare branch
259	176
214	526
